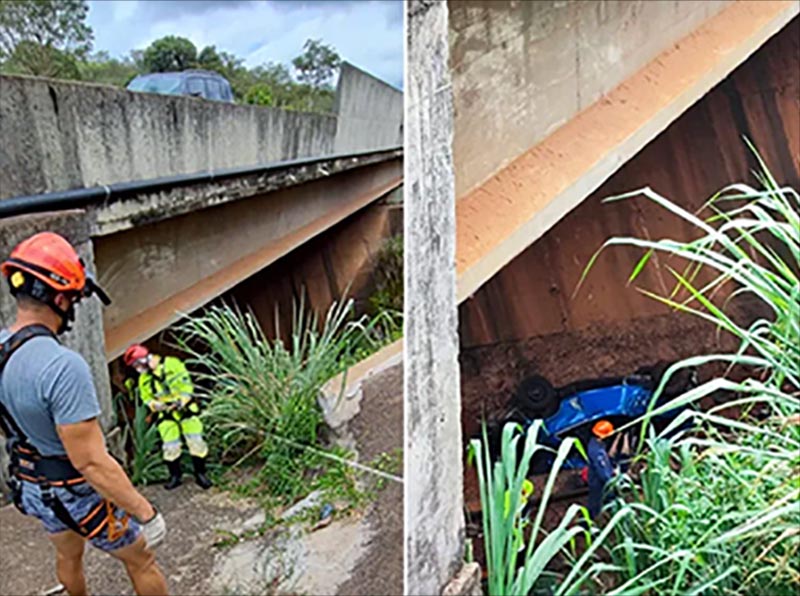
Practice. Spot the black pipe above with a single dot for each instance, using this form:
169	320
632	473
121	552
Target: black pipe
83	197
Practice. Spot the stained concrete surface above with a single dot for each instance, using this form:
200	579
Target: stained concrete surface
370	112
292	559
378	429
698	154
543	62
434	516
515	207
62	135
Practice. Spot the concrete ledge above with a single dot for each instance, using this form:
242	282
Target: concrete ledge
341	396
249	237
514	208
159	204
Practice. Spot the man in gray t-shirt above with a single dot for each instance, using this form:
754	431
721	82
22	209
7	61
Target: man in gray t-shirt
62	472
45	384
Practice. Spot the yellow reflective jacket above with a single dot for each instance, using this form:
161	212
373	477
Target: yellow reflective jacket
169	382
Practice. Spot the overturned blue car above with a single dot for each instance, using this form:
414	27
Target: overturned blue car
590	411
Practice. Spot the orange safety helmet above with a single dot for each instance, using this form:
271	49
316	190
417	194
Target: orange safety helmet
51	259
134	353
602	429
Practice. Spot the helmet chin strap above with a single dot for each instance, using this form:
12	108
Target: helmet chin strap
67	317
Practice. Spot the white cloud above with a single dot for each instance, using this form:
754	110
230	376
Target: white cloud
368	34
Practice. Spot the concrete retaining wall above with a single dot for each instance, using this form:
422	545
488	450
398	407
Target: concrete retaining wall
370	112
544	62
60	135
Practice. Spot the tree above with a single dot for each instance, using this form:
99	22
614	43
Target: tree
31	58
229	66
209	59
44	37
102	68
259	95
170	54
317	65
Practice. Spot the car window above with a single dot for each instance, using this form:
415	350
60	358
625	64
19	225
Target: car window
213	89
194	86
156	84
227	92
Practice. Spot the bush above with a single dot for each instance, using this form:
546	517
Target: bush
259	95
718	511
145	466
262	394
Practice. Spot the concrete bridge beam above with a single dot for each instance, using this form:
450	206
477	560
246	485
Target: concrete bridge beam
516	206
159	271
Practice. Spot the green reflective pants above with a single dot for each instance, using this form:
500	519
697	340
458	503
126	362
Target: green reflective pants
187	423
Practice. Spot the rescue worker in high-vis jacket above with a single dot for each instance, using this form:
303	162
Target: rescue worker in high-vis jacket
165	387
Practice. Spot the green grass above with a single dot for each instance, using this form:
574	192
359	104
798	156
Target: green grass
715	510
145	466
262	395
517	560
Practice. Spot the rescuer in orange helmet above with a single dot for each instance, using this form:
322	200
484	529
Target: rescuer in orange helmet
600	469
60	471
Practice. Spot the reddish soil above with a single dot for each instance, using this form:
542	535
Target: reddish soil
490	374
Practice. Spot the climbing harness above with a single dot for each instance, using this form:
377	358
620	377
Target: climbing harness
27	464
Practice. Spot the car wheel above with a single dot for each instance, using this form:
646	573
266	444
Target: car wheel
536	398
679	383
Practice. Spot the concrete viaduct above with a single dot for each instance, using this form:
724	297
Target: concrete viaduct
523	117
174	201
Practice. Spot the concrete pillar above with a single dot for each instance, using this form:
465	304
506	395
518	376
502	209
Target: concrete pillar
87	337
433	454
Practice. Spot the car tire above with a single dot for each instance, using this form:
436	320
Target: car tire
536	398
679	383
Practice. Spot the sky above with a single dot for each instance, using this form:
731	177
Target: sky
366	33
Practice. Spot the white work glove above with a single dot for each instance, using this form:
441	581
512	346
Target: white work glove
154	530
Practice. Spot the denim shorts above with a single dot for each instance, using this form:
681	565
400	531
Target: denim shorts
79	501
